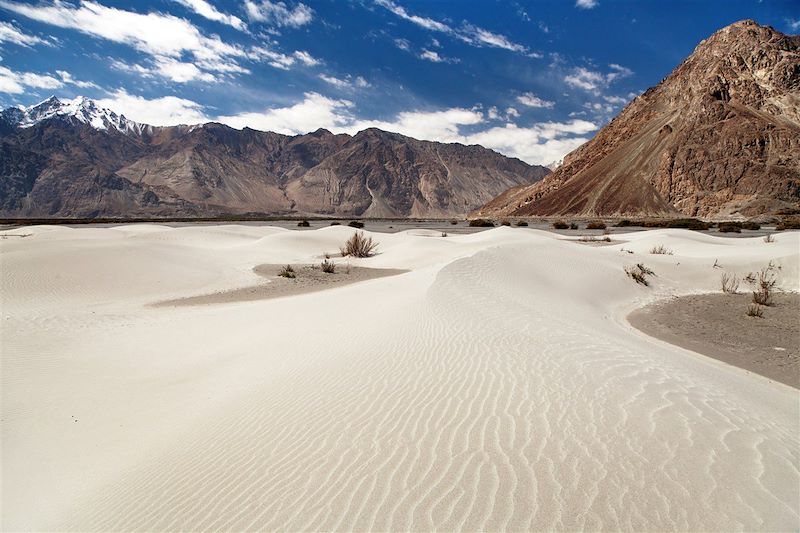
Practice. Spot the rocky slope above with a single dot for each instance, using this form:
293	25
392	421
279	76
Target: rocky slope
718	138
74	159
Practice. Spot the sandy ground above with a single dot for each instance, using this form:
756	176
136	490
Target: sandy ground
497	385
308	278
717	325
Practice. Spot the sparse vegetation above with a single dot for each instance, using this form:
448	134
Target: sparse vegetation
660	250
505	223
481	223
730	283
729	227
444	234
454	222
287	272
596	224
359	246
355	224
336	223
573	225
639	273
328	266
769	238
560	224
684	223
303	224
755	310
763	282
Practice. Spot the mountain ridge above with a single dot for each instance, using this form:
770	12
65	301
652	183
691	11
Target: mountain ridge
718	137
75	159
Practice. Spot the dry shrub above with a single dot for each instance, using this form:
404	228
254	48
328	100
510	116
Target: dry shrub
755	310
327	266
639	273
359	246
287	272
560	224
304	224
573	225
769	238
730	283
444	234
660	250
764	282
522	223
596	224
481	223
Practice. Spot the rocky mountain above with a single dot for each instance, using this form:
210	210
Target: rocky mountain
75	159
719	138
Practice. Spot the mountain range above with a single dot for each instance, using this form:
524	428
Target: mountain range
718	138
73	158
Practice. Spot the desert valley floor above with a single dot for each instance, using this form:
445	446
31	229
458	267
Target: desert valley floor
492	382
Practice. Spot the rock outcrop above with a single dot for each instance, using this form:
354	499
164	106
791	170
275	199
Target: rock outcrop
718	138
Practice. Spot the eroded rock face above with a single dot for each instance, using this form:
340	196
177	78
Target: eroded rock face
719	137
63	167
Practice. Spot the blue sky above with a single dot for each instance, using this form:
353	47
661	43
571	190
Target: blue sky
530	79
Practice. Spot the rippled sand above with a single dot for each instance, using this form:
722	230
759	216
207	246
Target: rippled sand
494	386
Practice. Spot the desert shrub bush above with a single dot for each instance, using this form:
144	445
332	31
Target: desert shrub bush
355	224
660	250
755	310
444	234
769	238
730	283
560	224
505	223
336	223
481	223
303	224
287	272
573	225
596	224
764	282
454	222
639	273
729	227
522	223
749	224
328	266
359	246
684	223
624	223
788	223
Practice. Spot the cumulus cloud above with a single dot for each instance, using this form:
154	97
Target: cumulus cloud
586	4
314	111
278	13
594	81
13	82
11	34
162	111
433	56
205	9
67	78
531	100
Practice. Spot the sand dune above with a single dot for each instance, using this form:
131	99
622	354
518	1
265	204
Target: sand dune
495	386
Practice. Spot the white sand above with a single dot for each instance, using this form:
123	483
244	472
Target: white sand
496	386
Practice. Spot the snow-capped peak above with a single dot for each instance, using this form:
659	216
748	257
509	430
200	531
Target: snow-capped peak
81	109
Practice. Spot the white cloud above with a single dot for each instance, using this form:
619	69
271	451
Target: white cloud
13	82
306	58
593	81
163	111
538	144
512	113
467	33
278	13
431	55
67	78
586	4
348	82
402	44
11	34
156	34
531	100
313	112
794	24
205	9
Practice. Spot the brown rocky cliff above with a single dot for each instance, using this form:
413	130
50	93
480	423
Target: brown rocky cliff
719	137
